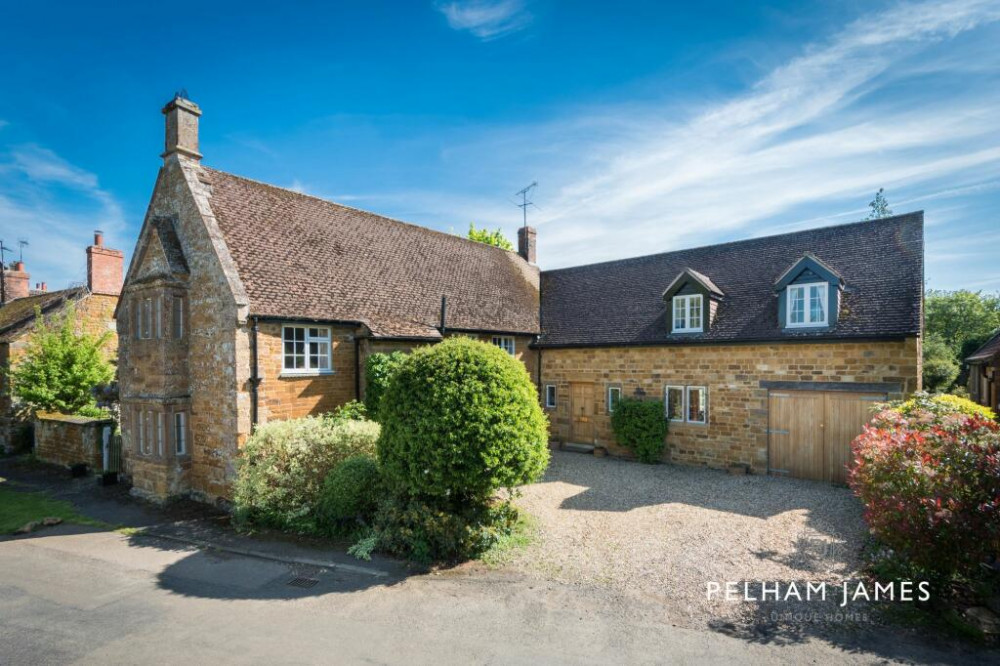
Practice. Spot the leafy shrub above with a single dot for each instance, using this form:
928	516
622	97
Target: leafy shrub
379	369
61	368
930	482
940	365
641	426
461	420
350	492
349	411
284	464
937	406
427	532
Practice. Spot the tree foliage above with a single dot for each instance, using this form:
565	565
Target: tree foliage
495	238
379	369
956	323
879	206
461	420
61	368
641	426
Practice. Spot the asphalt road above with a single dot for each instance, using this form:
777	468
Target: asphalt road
72	595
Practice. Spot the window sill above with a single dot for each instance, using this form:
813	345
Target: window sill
687	331
293	374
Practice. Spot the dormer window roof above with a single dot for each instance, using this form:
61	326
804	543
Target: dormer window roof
691	300
808	295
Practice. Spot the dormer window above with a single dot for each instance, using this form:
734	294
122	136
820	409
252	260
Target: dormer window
687	314
807	304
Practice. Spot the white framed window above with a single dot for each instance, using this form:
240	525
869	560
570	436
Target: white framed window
505	342
180	433
178	317
305	349
686	404
614	396
807	304
687	314
697	404
550	396
674	401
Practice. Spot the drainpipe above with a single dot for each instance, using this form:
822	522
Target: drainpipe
357	367
444	314
254	373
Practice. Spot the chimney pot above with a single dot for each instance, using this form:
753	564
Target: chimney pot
17	282
45	287
182	128
526	243
98	237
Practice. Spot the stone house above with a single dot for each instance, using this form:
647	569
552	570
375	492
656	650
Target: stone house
94	305
984	374
245	302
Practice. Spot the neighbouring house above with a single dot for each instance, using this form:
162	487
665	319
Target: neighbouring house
984	374
94	305
245	302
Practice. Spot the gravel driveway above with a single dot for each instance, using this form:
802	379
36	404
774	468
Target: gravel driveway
665	531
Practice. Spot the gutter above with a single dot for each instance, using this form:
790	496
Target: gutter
254	374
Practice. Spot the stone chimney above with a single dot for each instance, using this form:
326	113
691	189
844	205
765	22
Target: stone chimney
526	243
182	128
104	267
16	281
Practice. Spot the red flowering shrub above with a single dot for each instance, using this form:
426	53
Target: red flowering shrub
930	483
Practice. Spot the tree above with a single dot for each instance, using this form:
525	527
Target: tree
495	238
956	323
879	206
941	367
61	368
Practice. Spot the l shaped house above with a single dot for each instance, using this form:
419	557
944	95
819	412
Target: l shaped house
246	303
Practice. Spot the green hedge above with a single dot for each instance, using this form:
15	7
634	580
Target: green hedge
379	369
284	464
350	493
641	426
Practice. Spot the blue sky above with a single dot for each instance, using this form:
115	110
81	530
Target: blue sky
649	126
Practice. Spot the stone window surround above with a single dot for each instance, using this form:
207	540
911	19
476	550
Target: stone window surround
158	436
157	322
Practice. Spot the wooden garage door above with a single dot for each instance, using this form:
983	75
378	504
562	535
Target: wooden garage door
810	432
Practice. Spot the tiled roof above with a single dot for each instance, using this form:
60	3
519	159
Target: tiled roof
988	350
18	315
620	302
303	257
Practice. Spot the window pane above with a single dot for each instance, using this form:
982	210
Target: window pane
796	313
314	332
288	333
300	333
675	403
614	394
817	309
696	405
694	312
680	312
300	362
550	396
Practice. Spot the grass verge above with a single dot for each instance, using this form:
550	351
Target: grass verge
19	508
503	551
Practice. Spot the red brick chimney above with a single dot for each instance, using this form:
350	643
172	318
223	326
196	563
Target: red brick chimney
16	281
526	243
104	267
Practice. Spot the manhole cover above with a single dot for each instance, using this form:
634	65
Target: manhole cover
302	581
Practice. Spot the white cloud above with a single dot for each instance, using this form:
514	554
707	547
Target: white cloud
55	206
486	19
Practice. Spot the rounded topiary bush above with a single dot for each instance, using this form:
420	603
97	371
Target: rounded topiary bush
350	492
461	420
641	426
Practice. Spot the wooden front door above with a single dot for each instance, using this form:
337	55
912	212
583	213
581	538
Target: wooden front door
810	432
582	406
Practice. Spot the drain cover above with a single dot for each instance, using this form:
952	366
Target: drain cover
302	581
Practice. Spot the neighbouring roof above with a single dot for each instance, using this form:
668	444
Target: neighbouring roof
987	351
619	302
302	257
18	315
